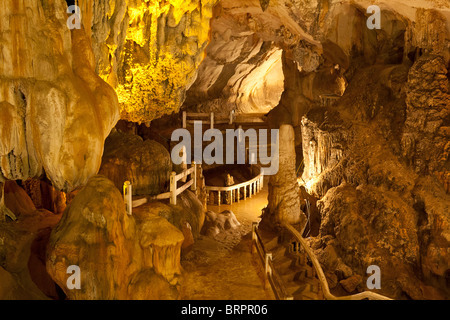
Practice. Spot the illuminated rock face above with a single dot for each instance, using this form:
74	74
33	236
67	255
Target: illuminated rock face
165	43
106	23
55	112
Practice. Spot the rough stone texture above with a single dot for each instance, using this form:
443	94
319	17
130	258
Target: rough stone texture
106	24
146	164
55	111
373	203
188	210
351	283
426	139
239	73
113	250
164	46
215	223
284	200
45	196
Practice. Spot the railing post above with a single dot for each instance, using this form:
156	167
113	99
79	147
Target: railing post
245	192
267	269
231	196
218	198
128	197
184	119
173	189
238	194
194	185
212	120
254	237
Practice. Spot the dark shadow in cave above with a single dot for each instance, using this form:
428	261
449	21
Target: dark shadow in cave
37	267
70	3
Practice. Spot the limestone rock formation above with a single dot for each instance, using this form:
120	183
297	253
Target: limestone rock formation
284	200
146	164
354	160
106	24
426	138
55	111
218	222
187	215
239	73
22	266
165	43
116	252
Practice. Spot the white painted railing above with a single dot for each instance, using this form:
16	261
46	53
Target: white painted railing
212	118
172	194
328	100
270	274
254	186
320	274
208	118
128	197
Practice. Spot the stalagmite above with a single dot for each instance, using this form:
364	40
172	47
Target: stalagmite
284	201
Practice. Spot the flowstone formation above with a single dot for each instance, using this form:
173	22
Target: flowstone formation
164	45
119	256
55	111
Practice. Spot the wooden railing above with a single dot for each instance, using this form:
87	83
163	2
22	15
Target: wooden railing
212	118
327	100
254	185
172	194
271	277
320	274
208	118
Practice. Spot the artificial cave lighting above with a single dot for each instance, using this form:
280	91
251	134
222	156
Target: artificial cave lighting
228	150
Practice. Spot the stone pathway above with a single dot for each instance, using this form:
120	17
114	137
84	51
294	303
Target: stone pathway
223	268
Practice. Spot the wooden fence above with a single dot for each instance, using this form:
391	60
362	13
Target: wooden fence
254	186
212	118
172	194
270	274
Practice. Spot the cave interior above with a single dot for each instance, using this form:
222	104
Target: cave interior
224	150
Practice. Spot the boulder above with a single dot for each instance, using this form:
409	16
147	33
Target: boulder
112	248
146	164
216	223
350	284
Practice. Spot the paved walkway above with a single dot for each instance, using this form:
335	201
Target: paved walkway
223	268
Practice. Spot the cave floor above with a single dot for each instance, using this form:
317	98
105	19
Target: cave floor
223	268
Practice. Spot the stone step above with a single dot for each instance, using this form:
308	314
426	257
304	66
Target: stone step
271	245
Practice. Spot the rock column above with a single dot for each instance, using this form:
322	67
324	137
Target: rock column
284	200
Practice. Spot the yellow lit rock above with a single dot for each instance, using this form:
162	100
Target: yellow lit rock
164	46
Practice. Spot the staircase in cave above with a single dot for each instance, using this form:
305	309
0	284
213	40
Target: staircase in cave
294	269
